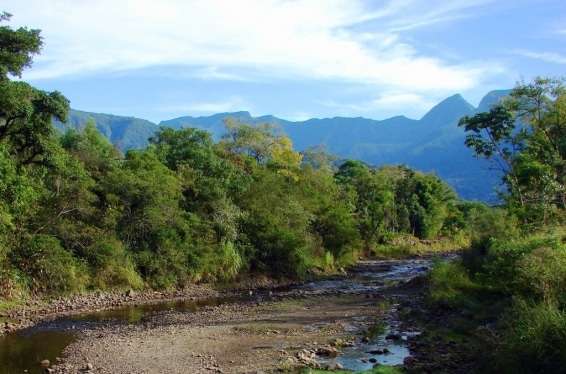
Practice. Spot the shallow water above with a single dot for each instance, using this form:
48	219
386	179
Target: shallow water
24	350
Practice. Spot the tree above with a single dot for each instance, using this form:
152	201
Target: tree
25	112
374	199
525	135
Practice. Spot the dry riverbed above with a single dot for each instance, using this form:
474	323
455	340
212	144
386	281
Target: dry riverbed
233	338
351	321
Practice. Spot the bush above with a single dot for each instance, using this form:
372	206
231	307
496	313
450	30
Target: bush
535	339
450	284
111	266
542	275
498	267
53	269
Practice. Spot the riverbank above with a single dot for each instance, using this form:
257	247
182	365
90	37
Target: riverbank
349	322
33	311
21	315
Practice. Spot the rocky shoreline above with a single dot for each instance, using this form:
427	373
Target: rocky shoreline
35	311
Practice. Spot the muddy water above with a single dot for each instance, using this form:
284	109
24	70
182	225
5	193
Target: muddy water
22	351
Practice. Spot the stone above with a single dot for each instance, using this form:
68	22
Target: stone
45	364
327	351
393	337
89	366
337	342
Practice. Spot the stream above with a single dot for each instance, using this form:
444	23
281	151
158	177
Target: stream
23	350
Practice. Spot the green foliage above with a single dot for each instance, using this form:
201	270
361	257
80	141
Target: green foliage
449	283
396	200
524	137
17	48
112	266
48	266
381	369
528	274
76	214
534	340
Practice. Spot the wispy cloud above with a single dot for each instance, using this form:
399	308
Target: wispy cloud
387	103
554	58
208	107
417	14
313	39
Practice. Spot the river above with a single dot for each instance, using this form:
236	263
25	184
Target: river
22	351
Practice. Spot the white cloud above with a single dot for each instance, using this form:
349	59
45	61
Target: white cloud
403	100
208	107
387	104
554	58
433	12
312	39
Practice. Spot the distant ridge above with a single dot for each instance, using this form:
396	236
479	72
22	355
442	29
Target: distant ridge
433	143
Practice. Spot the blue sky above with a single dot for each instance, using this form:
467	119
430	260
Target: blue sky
294	59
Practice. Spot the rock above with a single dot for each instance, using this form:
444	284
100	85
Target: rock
339	366
130	293
365	339
45	364
372	360
89	366
409	361
337	342
327	351
377	352
393	337
305	355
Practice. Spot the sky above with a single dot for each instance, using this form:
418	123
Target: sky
295	59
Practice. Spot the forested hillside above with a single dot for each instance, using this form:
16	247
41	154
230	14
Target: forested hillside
432	144
77	214
87	205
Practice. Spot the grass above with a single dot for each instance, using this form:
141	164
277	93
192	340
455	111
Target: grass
382	369
403	246
6	305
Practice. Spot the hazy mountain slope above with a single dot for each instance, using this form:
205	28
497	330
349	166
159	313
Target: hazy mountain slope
433	143
125	132
492	98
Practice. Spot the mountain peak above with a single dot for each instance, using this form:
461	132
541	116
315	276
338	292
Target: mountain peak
492	98
448	110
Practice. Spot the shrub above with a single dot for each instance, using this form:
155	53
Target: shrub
450	284
53	269
111	266
229	261
499	265
542	274
535	339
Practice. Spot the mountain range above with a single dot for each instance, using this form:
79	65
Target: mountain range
433	143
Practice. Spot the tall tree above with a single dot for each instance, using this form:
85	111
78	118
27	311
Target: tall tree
525	135
25	112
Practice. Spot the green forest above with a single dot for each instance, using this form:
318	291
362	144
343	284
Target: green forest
77	215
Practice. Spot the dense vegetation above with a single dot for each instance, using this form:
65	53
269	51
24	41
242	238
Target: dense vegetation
76	214
513	279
